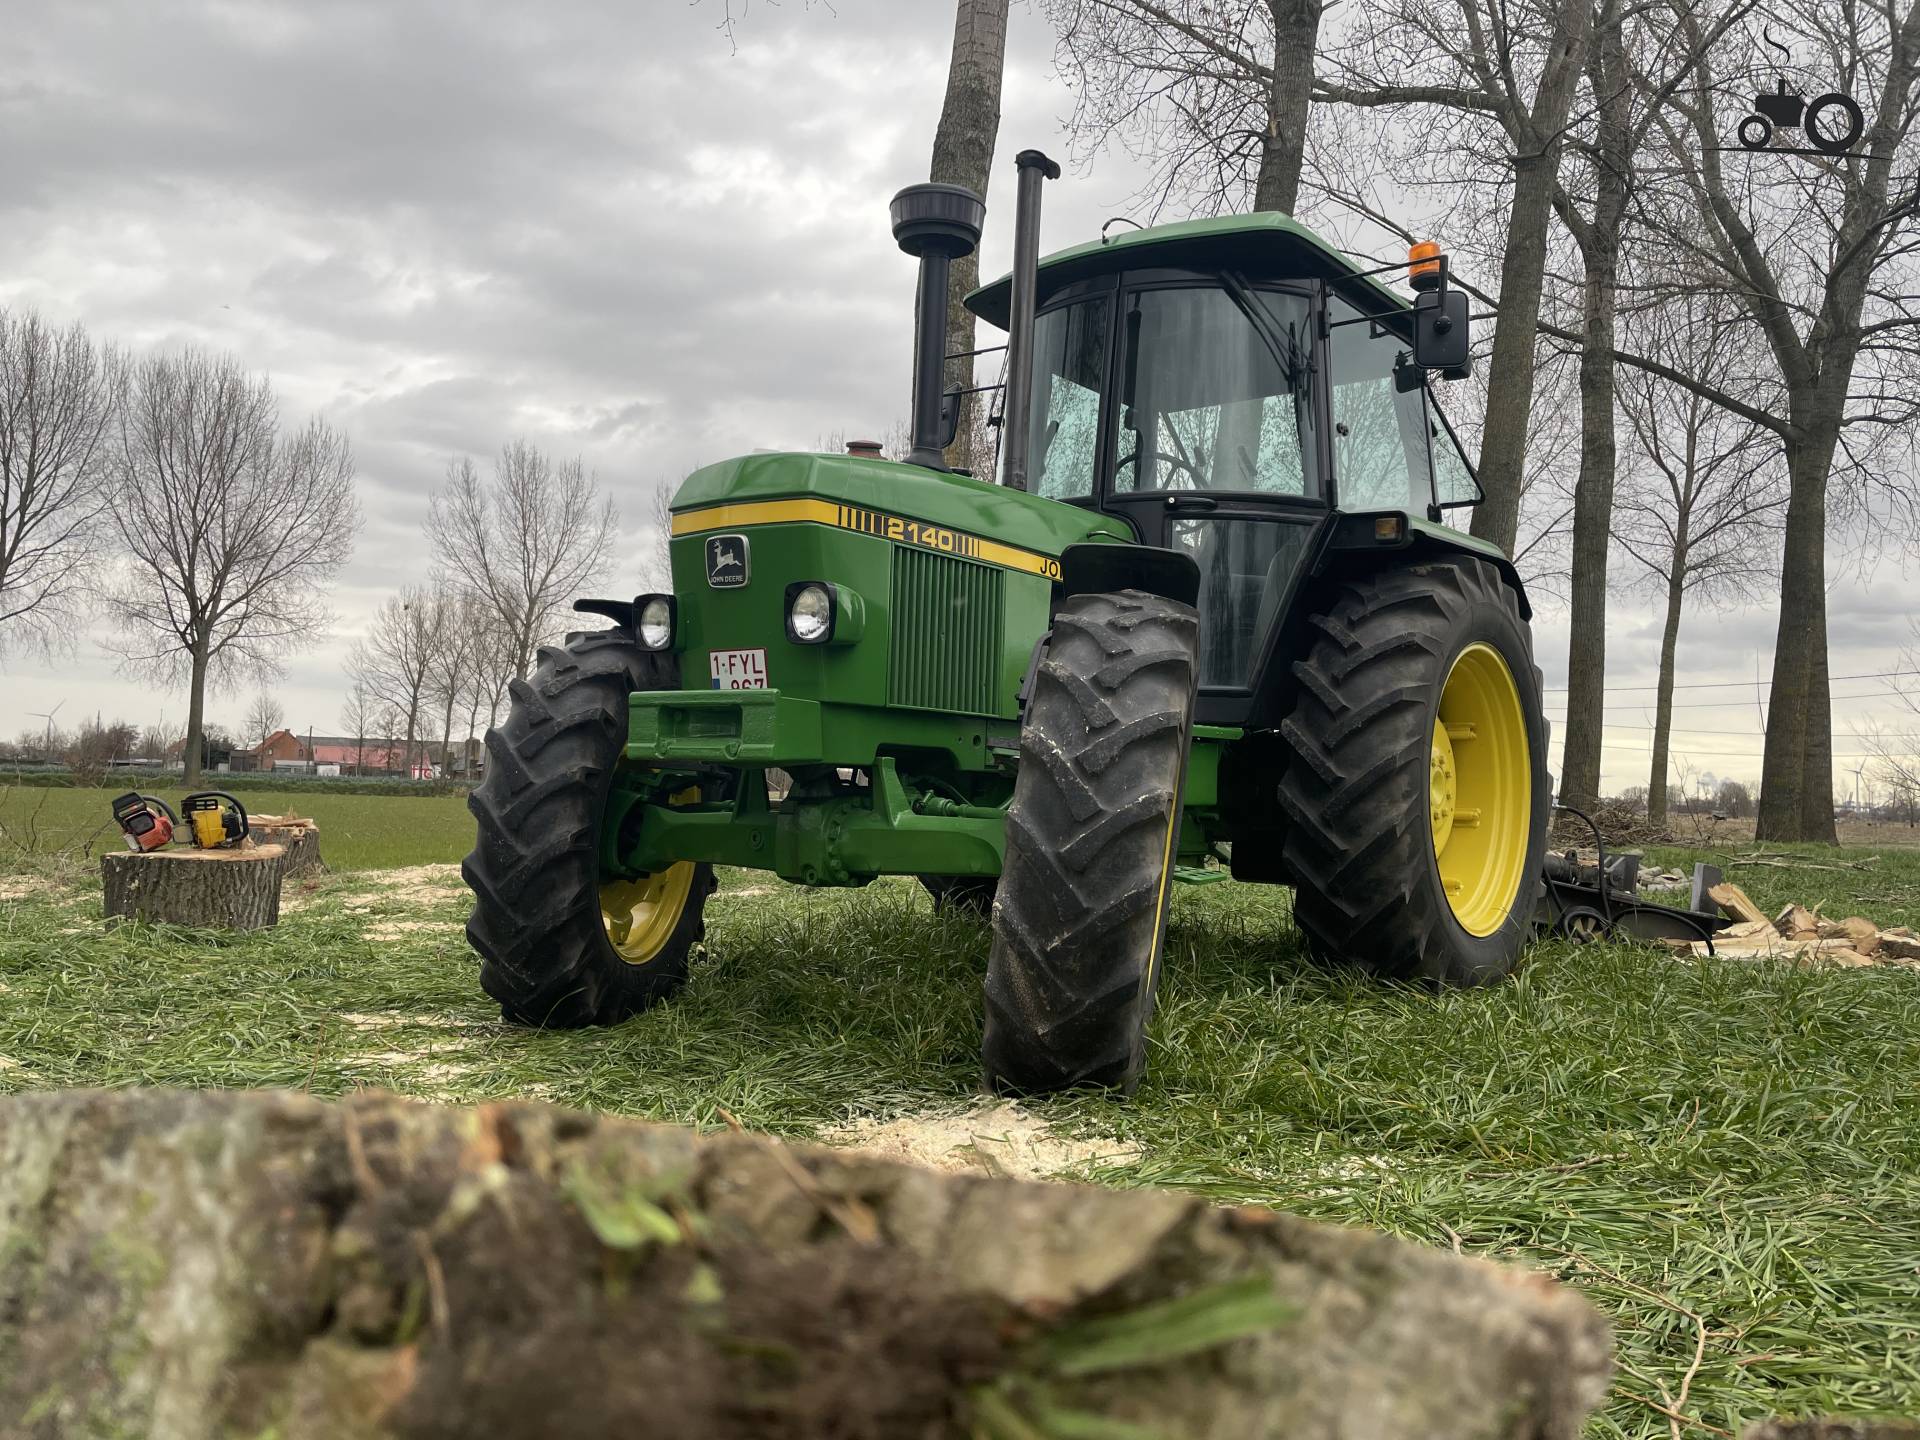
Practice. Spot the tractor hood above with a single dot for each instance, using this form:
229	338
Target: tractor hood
1263	245
989	514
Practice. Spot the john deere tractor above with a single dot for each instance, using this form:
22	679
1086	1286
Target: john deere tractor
1208	609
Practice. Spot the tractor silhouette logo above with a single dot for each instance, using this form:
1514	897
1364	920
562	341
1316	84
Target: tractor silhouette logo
726	561
1832	121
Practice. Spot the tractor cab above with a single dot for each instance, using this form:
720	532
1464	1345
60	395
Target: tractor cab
1223	386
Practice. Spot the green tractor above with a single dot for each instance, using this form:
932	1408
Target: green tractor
1209	610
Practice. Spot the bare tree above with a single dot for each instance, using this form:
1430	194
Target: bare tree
1695	517
394	661
1633	66
527	544
1893	749
58	393
1216	95
1819	252
1517	65
456	662
231	531
657	572
360	718
963	155
264	716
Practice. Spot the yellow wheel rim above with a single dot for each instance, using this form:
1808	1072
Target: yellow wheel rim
641	915
1480	789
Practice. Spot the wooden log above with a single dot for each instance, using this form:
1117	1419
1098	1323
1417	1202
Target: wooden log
215	889
297	837
381	1268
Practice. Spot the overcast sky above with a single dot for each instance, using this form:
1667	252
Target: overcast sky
595	225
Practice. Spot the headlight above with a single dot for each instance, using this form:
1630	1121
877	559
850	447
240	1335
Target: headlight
810	613
654	621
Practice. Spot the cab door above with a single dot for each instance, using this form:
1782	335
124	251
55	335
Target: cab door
1213	449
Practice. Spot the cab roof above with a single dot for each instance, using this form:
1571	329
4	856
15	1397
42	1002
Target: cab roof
1261	245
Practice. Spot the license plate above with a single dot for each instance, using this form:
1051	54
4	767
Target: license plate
737	669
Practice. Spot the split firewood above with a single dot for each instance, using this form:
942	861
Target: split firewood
1796	922
1736	902
1895	945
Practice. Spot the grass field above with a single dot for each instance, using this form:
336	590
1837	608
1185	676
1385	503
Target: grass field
1725	1156
361	832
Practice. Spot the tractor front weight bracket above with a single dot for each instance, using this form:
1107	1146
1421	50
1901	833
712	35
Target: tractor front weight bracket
845	840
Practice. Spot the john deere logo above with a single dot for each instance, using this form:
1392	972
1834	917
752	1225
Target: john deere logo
726	561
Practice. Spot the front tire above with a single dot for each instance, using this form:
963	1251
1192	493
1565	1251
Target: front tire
560	945
1416	792
1081	914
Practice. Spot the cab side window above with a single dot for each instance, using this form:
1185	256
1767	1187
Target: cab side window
1380	435
1069	372
1453	482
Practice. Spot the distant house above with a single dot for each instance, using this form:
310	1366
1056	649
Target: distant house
282	746
212	756
371	756
353	755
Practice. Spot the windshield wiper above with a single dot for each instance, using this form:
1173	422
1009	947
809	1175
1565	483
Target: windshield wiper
1278	342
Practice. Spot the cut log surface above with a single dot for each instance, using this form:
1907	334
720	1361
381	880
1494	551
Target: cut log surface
212	889
226	1263
297	837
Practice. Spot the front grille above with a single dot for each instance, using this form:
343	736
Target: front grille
946	633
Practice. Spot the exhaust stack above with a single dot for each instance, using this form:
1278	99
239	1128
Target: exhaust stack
938	224
1015	433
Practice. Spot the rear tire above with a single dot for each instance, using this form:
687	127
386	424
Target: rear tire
539	920
1368	776
1082	910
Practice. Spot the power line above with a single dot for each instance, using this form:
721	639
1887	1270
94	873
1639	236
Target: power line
1745	700
1739	684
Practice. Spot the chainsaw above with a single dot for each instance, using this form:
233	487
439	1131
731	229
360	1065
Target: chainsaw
215	820
146	820
218	820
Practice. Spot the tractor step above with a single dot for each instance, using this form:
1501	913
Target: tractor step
1199	875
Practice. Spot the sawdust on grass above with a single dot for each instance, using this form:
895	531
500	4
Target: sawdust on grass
994	1139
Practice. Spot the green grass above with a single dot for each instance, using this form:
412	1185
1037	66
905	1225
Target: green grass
357	832
1723	1155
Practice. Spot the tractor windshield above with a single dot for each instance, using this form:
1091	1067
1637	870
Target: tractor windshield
1215	392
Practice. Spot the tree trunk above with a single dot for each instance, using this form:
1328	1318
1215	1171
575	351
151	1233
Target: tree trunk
1510	371
243	1263
1796	802
193	751
1536	171
298	840
1296	25
963	155
1593	492
1663	700
211	889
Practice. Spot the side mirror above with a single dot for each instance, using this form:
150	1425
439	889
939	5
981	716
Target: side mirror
949	417
1440	338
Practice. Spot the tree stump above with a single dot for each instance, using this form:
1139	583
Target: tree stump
298	837
213	889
